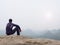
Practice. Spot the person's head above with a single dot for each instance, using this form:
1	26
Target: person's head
10	20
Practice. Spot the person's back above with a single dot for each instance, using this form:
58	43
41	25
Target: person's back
9	29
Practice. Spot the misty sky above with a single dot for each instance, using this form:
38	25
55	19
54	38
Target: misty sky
32	14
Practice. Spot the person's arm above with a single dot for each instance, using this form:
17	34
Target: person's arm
14	24
17	26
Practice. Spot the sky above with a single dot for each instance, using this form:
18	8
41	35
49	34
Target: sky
31	14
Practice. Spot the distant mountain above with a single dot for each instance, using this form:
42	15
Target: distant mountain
51	34
28	32
2	32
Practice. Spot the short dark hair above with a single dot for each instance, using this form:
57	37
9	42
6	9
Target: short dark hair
10	20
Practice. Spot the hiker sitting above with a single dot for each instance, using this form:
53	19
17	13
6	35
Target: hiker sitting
10	30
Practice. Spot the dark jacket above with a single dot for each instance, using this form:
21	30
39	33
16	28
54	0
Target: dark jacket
10	26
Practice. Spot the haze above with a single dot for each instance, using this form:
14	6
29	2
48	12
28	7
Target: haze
31	14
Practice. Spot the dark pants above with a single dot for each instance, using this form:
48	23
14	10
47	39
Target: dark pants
14	30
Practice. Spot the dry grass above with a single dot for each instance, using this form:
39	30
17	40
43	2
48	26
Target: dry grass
20	40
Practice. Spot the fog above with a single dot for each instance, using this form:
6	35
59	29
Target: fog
31	14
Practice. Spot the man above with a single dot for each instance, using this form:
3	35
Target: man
10	30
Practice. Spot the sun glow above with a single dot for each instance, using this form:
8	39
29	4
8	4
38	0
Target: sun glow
48	15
